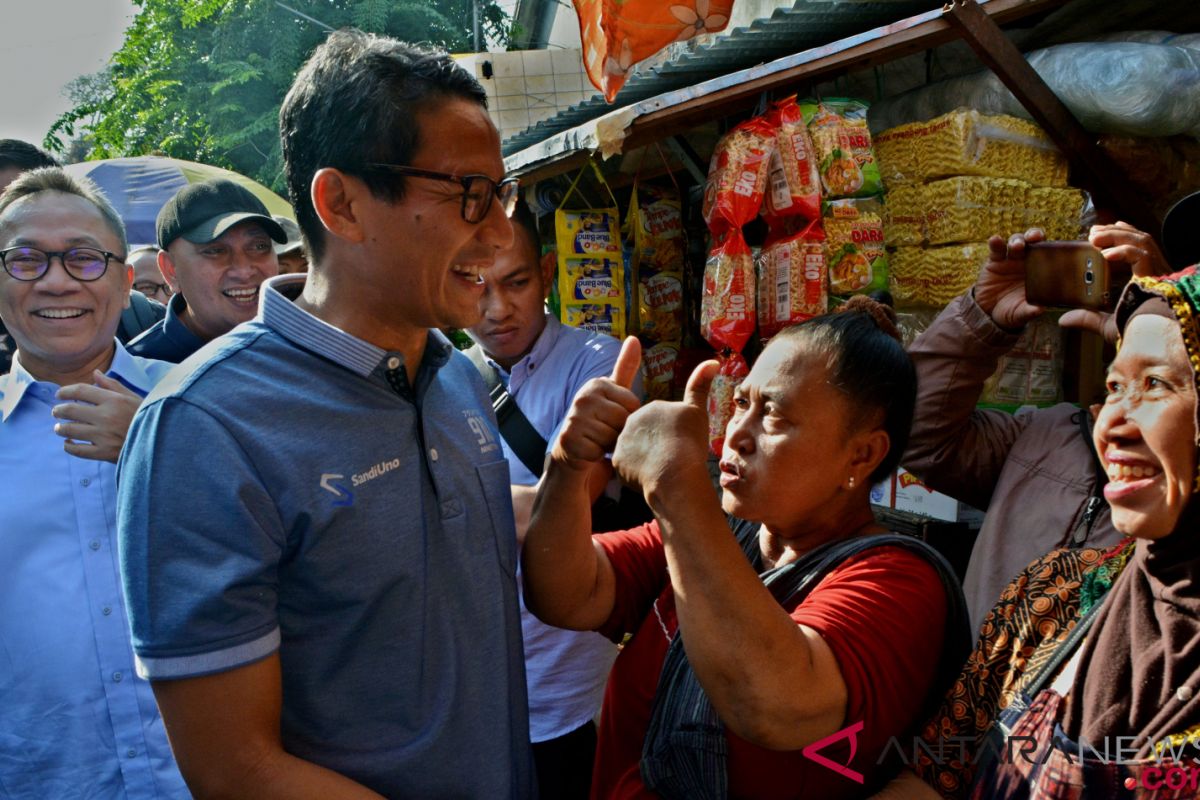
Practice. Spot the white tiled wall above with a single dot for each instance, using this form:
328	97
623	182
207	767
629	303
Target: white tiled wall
530	85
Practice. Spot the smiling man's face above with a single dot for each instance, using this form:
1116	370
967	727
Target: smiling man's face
61	324
220	279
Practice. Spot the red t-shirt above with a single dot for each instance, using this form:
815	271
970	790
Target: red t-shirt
881	613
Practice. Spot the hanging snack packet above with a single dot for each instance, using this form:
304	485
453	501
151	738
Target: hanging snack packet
842	143
737	175
592	280
592	277
588	231
727	316
659	362
720	398
794	185
792	279
656	222
607	319
858	262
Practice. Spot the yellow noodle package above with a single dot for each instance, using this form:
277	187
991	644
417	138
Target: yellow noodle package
966	142
858	262
932	277
656	221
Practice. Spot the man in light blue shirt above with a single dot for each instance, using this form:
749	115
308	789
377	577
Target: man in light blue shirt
76	721
543	364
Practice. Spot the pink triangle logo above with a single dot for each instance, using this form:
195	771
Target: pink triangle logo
812	751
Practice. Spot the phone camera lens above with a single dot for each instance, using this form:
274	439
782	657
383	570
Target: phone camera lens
1089	277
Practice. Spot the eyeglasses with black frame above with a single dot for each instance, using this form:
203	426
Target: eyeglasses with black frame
82	263
478	191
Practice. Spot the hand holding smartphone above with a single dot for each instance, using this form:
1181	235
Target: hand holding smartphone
1071	274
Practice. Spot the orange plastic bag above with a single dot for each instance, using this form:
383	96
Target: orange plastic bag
617	34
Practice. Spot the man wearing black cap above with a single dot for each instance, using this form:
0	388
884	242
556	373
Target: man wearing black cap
216	239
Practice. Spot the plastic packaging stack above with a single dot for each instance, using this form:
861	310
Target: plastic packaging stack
955	181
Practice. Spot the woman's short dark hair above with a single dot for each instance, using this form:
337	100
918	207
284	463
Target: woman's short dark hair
862	350
353	103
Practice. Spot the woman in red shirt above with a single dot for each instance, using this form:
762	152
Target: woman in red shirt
767	663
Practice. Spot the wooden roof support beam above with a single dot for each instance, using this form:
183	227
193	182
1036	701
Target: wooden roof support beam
1091	165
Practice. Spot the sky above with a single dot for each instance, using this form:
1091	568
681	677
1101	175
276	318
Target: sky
47	43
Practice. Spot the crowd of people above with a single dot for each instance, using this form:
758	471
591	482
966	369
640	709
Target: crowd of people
267	533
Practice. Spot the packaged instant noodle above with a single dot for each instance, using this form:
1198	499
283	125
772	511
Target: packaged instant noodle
966	142
737	175
727	306
720	398
1030	373
842	144
933	276
794	187
792	278
858	262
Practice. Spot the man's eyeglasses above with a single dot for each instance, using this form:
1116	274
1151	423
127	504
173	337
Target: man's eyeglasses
477	190
82	263
150	288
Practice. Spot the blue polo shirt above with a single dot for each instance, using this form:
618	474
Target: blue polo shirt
168	339
285	489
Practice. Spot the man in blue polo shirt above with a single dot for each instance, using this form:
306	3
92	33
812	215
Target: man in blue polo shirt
74	721
316	527
216	247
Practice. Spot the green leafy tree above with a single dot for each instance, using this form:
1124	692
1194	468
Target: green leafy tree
203	80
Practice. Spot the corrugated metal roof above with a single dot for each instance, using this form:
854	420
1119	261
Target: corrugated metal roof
808	23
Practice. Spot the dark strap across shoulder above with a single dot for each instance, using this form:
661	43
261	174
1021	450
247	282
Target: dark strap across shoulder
684	753
515	427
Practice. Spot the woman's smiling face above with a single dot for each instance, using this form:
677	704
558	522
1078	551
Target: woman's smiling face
1146	431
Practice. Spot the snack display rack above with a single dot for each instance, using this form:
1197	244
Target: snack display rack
1022	179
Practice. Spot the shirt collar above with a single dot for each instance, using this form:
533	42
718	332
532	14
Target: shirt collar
124	368
174	327
542	347
280	313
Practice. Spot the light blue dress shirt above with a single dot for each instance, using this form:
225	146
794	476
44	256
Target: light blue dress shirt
75	721
566	670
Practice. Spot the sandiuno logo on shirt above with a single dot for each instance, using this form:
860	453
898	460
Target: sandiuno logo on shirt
344	496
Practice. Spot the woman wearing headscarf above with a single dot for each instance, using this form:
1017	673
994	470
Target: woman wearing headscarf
774	651
1085	682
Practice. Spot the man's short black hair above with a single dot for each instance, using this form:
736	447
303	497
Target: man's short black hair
354	103
525	218
24	156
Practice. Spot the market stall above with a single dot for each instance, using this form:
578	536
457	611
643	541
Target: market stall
756	199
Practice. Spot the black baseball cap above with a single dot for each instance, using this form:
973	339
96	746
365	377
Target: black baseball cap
203	211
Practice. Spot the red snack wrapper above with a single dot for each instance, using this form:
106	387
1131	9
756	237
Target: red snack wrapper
720	398
793	273
737	175
727	315
794	185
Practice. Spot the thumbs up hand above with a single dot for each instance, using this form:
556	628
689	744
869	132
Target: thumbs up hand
663	436
598	412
